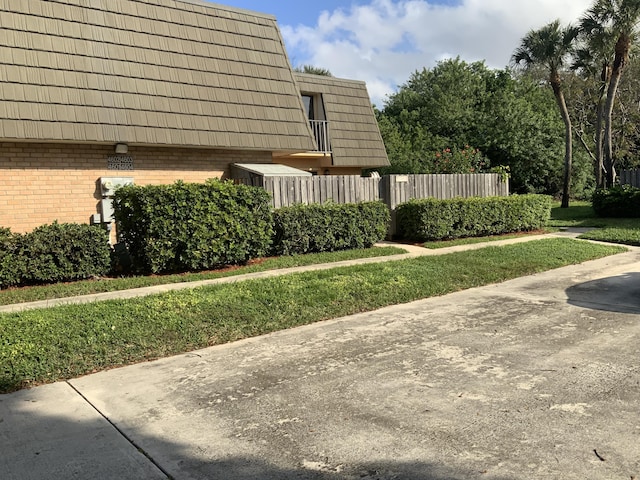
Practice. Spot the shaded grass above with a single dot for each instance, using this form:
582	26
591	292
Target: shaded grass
624	231
47	345
63	290
474	240
581	214
625	236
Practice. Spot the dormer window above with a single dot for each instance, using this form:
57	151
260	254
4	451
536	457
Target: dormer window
308	106
317	120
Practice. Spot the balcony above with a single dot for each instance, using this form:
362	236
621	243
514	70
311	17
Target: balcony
320	129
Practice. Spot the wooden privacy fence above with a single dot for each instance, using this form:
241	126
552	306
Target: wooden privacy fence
287	191
391	189
397	189
630	177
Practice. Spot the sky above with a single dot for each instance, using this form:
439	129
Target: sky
382	42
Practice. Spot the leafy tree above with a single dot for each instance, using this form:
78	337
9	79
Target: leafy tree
521	128
508	117
619	18
399	146
444	100
626	118
411	147
550	47
593	59
433	118
584	94
511	119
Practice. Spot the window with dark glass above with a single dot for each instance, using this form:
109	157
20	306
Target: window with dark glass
308	105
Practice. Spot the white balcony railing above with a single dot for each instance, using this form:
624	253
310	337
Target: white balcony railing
320	130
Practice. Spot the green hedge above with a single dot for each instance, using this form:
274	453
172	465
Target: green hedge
432	219
329	227
190	227
59	252
623	201
11	266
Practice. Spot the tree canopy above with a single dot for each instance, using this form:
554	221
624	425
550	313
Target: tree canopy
479	118
509	119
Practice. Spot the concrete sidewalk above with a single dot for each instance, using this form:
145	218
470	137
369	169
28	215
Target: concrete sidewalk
412	251
533	378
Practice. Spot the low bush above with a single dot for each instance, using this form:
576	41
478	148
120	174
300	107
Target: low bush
53	253
191	227
432	219
620	202
11	267
329	227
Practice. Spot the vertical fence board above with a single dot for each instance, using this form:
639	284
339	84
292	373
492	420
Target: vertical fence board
350	189
630	177
391	189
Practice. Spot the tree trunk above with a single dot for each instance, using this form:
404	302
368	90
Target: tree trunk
568	138
610	175
623	45
599	164
605	78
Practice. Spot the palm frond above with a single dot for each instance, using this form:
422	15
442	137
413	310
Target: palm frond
548	46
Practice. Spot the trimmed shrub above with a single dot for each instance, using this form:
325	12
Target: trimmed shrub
329	227
191	227
12	267
59	252
432	219
622	201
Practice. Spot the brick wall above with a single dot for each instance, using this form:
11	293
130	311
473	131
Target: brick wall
40	183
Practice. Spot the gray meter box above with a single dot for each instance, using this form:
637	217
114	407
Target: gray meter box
108	187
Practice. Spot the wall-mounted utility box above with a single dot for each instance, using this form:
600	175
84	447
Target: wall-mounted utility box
106	208
108	185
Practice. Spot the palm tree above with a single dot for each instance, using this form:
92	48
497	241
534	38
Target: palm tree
620	19
550	47
313	70
593	59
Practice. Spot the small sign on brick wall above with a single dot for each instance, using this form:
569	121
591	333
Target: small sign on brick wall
120	162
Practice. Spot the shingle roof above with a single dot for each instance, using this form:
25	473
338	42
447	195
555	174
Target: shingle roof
353	128
173	72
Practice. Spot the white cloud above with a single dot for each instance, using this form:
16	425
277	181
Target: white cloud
385	41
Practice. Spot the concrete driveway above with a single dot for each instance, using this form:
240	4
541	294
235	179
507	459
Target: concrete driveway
535	378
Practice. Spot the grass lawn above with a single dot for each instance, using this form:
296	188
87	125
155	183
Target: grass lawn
473	240
579	214
614	230
622	235
47	345
63	290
